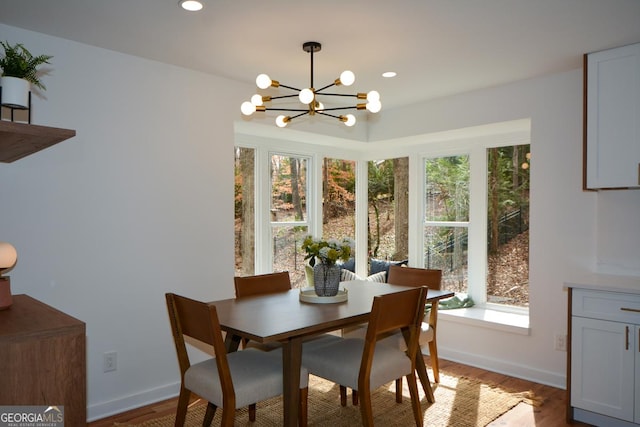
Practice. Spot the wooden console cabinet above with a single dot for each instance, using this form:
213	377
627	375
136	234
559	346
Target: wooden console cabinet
43	358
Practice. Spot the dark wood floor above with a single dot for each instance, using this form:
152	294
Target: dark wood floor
550	414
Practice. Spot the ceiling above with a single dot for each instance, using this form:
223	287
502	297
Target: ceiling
438	47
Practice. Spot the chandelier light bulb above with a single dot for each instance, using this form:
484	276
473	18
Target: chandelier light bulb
373	96
282	121
347	78
374	106
247	108
349	120
256	99
319	106
306	96
263	81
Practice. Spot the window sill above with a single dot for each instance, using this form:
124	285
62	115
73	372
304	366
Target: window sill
514	321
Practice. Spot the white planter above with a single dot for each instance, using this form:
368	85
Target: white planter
15	92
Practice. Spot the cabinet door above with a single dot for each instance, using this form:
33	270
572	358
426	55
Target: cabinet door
637	375
602	367
613	118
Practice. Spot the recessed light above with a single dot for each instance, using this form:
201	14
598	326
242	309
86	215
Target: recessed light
191	5
389	74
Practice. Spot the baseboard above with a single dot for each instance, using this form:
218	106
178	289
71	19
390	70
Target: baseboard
132	401
505	367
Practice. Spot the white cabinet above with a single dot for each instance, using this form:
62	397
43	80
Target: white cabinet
612	117
605	358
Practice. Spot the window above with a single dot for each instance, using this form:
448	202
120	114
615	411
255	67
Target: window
446	220
388	193
508	225
289	214
244	211
338	198
495	233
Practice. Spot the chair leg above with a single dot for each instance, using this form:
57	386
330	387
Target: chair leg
304	407
415	399
228	417
365	408
208	416
183	402
343	395
421	367
252	412
354	397
399	390
433	355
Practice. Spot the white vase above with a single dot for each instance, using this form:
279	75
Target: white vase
15	92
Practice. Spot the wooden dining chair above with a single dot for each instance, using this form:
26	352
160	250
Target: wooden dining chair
228	380
261	284
431	278
365	364
411	276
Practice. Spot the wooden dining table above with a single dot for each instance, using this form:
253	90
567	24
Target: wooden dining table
282	317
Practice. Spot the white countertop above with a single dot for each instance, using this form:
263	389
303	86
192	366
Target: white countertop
605	282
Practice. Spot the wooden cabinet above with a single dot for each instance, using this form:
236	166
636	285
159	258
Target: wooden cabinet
612	118
18	140
604	364
43	359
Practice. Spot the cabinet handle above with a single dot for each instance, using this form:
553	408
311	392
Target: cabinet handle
635	310
638	173
626	337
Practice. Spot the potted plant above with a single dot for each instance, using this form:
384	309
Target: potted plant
19	72
326	274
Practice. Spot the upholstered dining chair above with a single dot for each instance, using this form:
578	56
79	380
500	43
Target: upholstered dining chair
228	380
412	276
364	364
431	278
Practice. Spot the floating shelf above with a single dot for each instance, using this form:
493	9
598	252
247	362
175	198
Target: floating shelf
18	140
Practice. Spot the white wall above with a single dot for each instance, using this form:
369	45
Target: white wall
140	202
137	204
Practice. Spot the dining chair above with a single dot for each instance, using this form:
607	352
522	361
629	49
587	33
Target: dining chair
365	364
262	284
412	276
431	278
228	380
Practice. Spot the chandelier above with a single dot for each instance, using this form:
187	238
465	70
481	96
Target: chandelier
311	97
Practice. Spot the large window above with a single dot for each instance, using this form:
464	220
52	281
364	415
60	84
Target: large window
388	201
500	243
289	213
244	211
446	221
338	198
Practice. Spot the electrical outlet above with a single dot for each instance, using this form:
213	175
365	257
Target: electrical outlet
110	361
560	342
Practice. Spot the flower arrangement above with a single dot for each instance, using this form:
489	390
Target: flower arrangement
327	251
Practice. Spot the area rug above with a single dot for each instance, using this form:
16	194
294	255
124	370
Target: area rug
460	402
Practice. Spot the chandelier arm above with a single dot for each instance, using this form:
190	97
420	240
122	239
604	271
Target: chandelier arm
290	87
326	114
298	115
326	87
284	96
336	109
285	109
337	94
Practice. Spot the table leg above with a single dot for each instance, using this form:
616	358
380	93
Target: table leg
291	362
231	342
